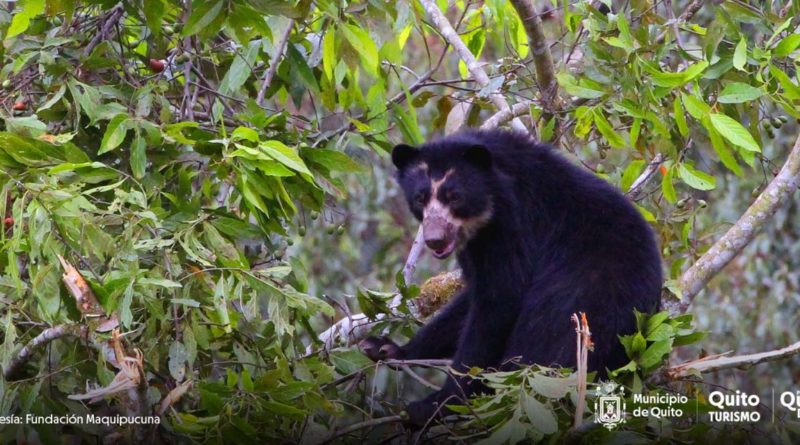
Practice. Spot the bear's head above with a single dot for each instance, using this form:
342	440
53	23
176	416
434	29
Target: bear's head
448	186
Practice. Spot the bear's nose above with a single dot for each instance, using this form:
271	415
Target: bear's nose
436	243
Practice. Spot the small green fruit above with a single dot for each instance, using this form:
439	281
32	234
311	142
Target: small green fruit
340	230
301	230
777	123
7	84
289	242
314	215
600	168
331	230
702	204
783	119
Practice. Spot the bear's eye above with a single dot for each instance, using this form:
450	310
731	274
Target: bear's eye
419	199
453	197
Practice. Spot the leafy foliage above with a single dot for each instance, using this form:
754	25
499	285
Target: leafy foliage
215	169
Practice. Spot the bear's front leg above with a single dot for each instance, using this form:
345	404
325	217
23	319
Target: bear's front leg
437	339
482	344
381	349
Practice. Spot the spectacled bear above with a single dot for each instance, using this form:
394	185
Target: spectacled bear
537	239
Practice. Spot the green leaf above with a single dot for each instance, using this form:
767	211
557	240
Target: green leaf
738	92
584	90
550	387
734	132
605	128
408	125
680	118
331	159
138	156
204	13
791	90
349	361
20	21
329	53
360	40
301	68
177	361
696	178
740	55
787	45
632	171
655	353
695	106
667	187
540	416
115	133
285	155
240	69
154	14
724	152
673	80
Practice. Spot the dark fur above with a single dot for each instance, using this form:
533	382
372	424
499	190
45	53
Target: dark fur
560	241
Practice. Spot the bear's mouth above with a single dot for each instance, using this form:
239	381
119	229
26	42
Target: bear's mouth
445	251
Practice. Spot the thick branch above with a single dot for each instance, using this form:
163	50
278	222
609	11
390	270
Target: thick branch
542	58
737	237
720	362
446	29
108	22
45	337
506	115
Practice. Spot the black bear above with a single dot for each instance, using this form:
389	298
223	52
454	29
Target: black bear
537	239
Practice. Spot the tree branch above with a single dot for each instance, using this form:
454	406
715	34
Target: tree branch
685	16
413	255
634	193
542	58
108	22
360	426
721	361
506	115
45	337
741	234
446	29
273	66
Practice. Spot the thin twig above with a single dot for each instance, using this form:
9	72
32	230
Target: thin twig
687	15
446	29
635	191
273	66
362	425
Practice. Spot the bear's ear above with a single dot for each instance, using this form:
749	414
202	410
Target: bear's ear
479	156
403	155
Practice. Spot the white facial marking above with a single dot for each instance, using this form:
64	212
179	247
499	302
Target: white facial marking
435	207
